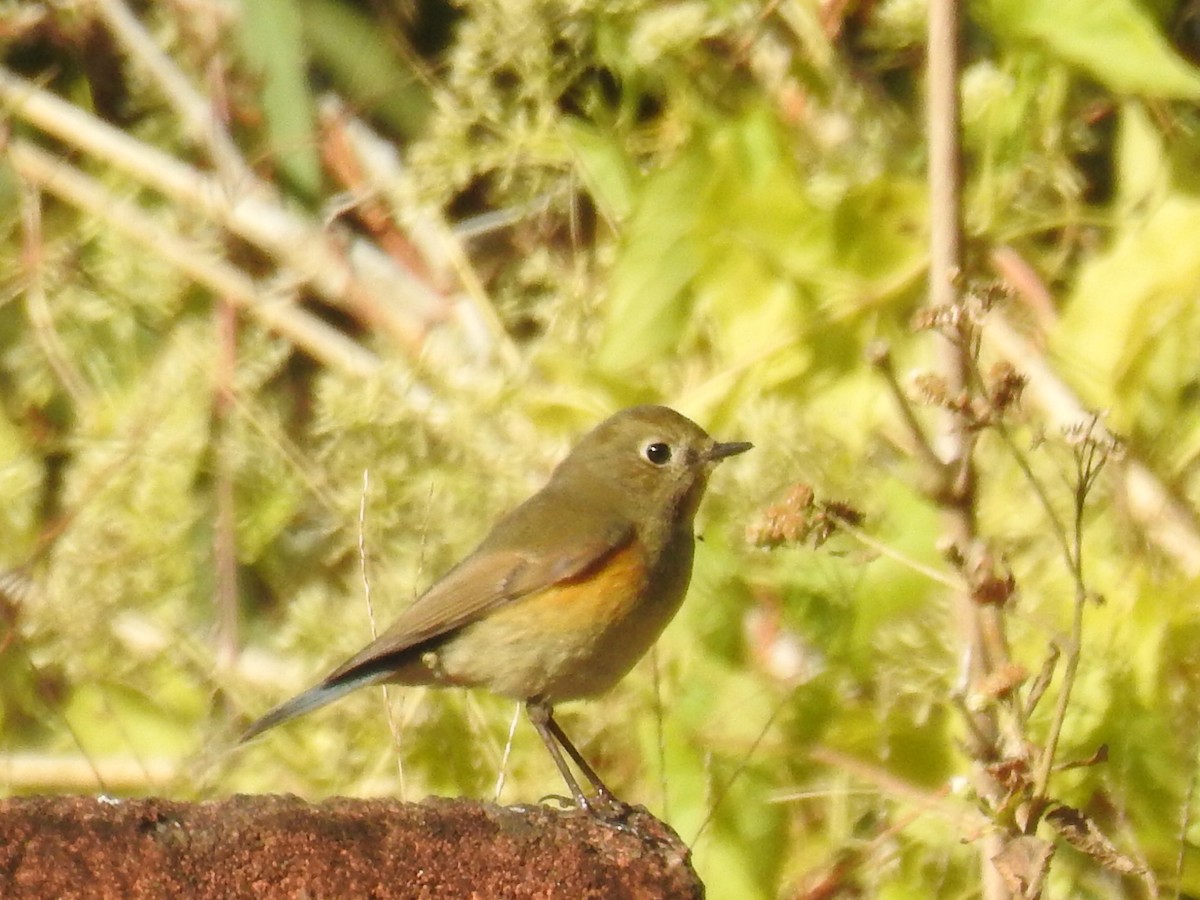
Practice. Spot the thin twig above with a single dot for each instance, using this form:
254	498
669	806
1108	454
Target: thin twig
660	739
934	575
502	773
1070	667
881	358
38	305
224	528
1039	490
722	792
1041	683
364	572
1090	459
1185	824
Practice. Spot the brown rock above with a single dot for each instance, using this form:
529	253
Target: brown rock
277	847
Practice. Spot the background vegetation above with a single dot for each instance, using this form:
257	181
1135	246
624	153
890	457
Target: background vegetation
297	295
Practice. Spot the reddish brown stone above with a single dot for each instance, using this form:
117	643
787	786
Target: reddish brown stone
276	847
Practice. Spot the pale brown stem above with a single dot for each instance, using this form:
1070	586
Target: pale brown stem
224	530
981	628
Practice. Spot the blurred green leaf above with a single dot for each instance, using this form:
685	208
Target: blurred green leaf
364	63
605	168
21	483
1115	41
106	717
273	42
1131	324
647	308
729	248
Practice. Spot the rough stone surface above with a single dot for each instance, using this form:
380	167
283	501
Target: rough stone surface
276	847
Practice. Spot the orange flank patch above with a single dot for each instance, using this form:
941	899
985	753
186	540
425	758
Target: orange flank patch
604	593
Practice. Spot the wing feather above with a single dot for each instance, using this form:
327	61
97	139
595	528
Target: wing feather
485	581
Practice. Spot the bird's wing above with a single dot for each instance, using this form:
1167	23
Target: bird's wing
491	577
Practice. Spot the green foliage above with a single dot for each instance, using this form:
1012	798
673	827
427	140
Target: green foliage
711	204
366	66
1116	42
1131	307
272	36
731	236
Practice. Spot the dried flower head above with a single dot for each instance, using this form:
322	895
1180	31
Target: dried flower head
801	517
1005	386
784	522
930	389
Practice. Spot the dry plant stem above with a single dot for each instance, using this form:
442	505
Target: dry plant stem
981	628
945	266
502	772
390	298
934	575
881	358
1089	461
282	316
225	531
1041	683
961	813
428	228
1185	822
38	305
1070	668
364	572
190	106
660	738
27	771
945	163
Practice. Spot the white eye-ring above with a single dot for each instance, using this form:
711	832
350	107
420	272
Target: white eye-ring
657	452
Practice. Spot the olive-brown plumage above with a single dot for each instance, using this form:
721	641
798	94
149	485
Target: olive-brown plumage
566	592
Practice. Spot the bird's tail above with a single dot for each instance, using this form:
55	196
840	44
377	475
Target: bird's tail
314	698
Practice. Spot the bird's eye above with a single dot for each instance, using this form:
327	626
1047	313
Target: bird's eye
657	452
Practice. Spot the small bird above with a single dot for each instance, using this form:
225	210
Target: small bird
566	593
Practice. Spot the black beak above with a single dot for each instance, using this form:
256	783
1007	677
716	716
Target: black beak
733	448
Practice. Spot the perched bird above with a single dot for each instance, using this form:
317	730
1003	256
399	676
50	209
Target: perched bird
565	594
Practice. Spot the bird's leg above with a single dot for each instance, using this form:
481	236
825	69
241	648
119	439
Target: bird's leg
541	714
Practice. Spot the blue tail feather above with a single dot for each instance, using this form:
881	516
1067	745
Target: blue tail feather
314	698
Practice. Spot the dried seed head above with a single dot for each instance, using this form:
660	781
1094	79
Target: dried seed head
1005	386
